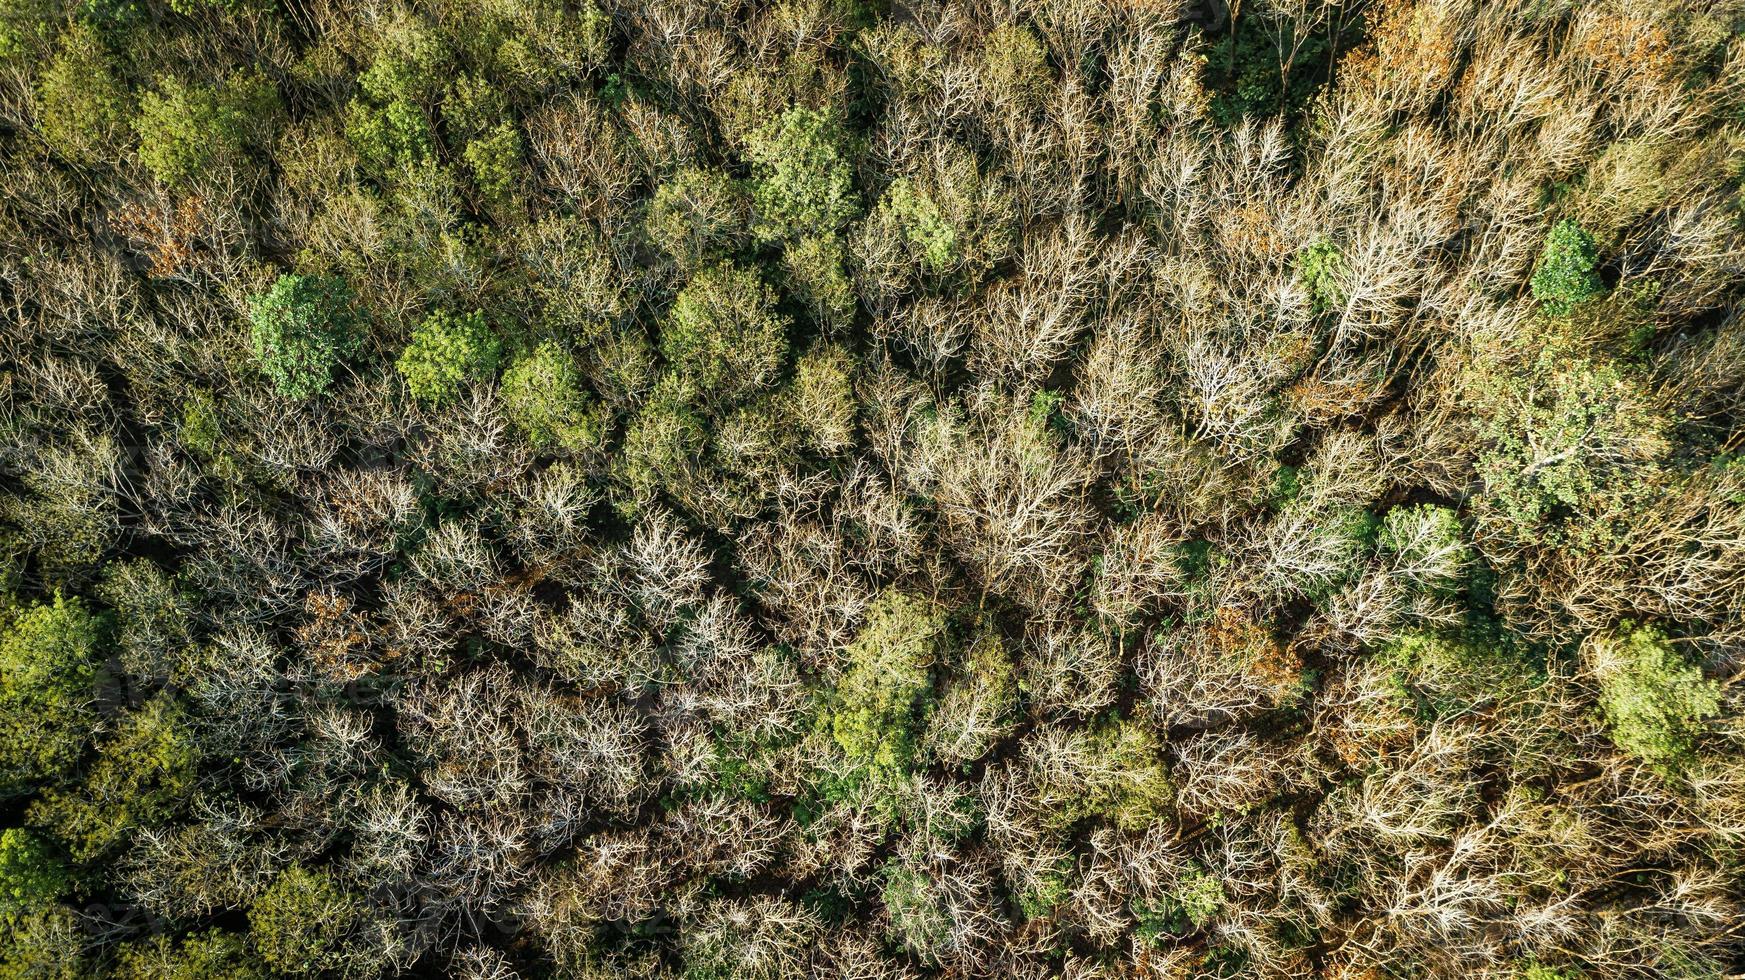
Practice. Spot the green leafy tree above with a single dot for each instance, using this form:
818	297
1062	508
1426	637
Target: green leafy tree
47	664
1199	896
924	225
1051	889
1448	673
724	334
82	107
821	399
151	617
1323	272
944	227
45	944
411	63
142	775
1654	700
301	330
185	129
1568	437
211	955
1426	543
1192	902
544	394
448	350
817	277
30	875
1014	66
883	696
802	184
494	158
302	922
1566	275
979	702
663	443
394	137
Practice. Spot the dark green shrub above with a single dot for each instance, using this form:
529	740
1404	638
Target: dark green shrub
1052	888
47	664
301	330
448	350
1192	902
1268	66
1566	276
544	395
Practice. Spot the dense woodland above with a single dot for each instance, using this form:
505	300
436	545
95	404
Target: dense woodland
719	489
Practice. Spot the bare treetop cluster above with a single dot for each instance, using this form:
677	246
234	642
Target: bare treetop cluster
705	489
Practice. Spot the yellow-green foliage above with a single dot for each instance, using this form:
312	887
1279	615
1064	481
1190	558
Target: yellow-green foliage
47	662
916	919
1449	673
447	351
544	396
802	181
184	129
816	277
979	703
696	216
1569	439
663	441
81	106
31	877
300	924
885	689
821	398
141	775
724	333
45	944
211	955
1654	699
